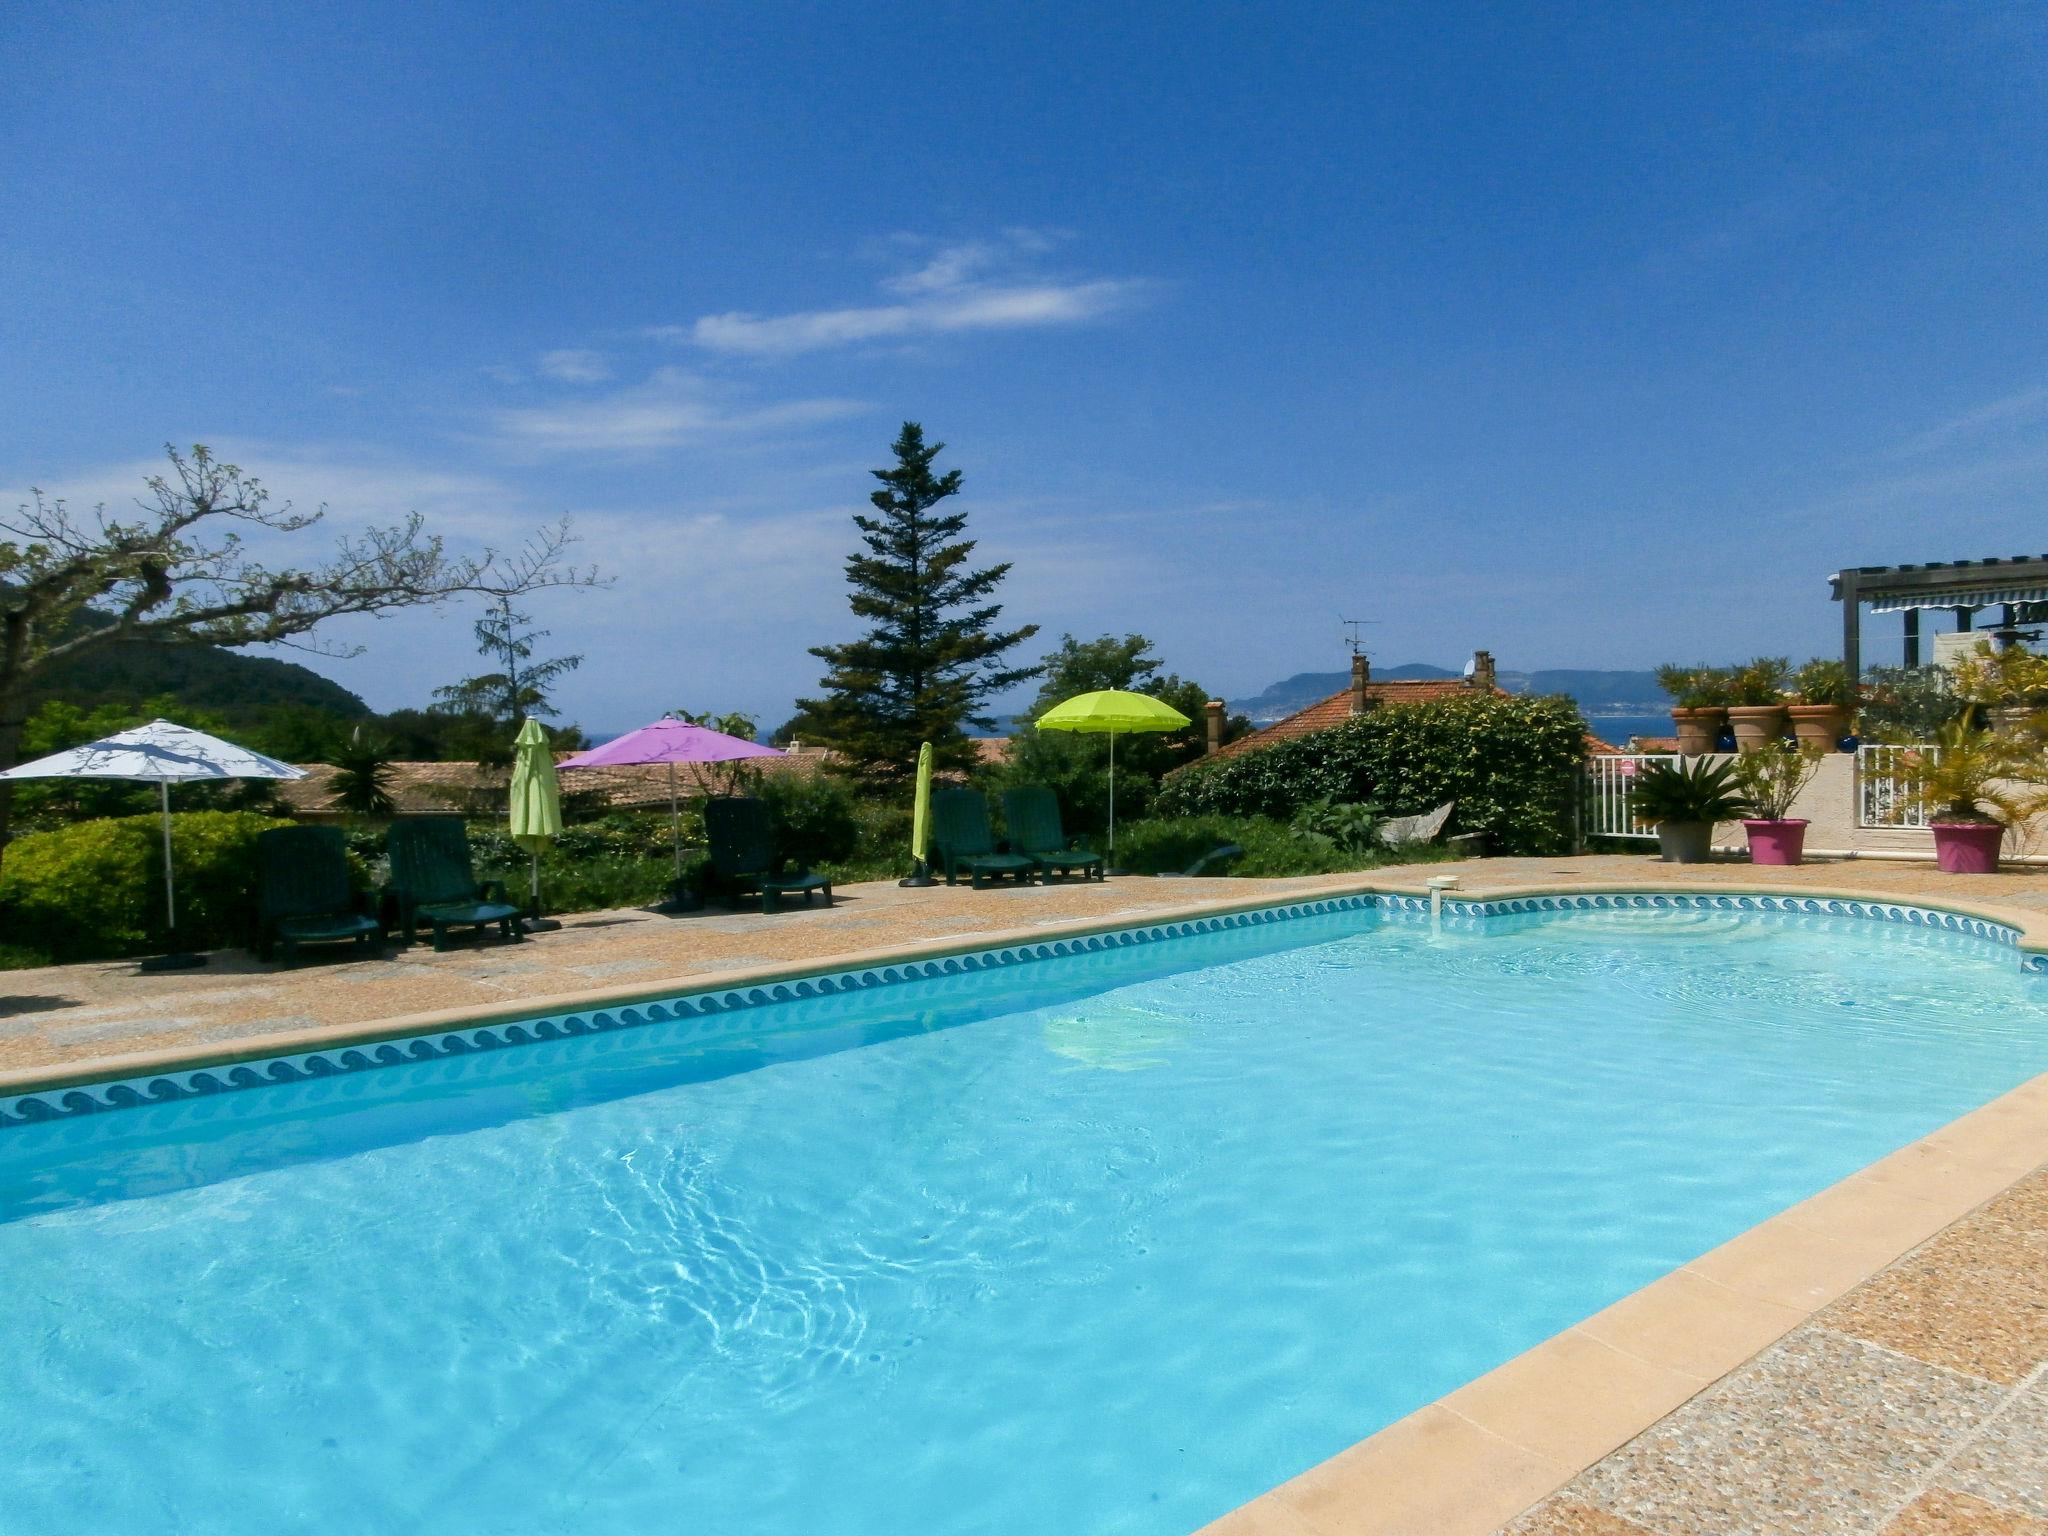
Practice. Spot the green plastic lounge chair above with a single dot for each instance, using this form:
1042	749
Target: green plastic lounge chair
303	895
962	840
1033	815
743	853
432	882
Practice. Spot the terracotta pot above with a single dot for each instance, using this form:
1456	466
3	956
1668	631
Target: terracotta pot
1756	725
1776	842
1967	847
1819	725
1685	842
1698	729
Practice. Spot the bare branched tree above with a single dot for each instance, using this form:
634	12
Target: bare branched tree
180	574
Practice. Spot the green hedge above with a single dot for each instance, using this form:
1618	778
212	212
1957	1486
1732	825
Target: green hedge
1511	765
95	891
1271	848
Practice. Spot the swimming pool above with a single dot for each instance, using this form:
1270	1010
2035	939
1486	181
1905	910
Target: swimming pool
1108	1243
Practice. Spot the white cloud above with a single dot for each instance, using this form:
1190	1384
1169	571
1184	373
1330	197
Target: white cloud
575	365
671	408
971	285
2023	408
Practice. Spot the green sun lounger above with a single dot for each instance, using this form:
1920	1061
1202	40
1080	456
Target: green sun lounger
962	840
1033	816
743	853
303	895
433	882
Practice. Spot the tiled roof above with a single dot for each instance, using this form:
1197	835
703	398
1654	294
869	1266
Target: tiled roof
425	789
1336	709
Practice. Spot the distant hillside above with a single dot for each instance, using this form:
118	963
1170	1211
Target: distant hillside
1596	693
240	689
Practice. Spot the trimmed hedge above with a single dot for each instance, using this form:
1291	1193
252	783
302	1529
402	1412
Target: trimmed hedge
95	891
1511	765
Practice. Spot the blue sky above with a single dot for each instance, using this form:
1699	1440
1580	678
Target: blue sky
1595	339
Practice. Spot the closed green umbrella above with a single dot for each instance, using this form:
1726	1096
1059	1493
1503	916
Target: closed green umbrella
536	813
1105	712
920	820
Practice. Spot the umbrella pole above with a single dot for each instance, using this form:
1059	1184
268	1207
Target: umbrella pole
1112	804
679	900
177	959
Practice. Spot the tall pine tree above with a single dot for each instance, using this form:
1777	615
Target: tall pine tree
932	653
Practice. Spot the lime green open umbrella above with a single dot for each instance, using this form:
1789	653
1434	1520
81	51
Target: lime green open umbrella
1107	711
536	814
920	820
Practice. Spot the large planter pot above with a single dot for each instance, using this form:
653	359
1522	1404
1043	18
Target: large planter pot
1756	725
1698	729
1967	847
1819	725
1685	842
1776	842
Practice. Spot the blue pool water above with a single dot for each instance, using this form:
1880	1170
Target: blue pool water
1108	1244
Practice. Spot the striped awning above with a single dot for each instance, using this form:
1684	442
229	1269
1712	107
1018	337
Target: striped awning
1965	597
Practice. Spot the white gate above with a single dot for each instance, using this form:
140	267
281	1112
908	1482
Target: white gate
1884	785
1610	787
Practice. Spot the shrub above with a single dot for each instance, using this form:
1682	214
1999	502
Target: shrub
1509	764
1165	845
94	891
813	817
1908	704
1695	687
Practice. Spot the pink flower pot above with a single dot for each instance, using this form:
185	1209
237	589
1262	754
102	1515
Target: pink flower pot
1967	847
1776	842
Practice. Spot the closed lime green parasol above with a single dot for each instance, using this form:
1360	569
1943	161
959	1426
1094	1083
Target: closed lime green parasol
921	820
536	813
1107	711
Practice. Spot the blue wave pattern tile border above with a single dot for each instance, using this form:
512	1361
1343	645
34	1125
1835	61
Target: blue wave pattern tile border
342	1060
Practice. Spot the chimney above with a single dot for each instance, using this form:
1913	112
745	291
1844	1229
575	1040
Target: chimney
1212	721
1482	671
1361	674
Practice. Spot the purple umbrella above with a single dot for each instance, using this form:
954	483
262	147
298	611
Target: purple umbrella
671	742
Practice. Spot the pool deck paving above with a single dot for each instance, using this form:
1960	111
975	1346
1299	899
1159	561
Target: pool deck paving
1874	1360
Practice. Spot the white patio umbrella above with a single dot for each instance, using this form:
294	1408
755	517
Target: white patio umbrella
162	754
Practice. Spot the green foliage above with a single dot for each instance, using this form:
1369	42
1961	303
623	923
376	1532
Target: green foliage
1972	776
1907	704
517	690
362	786
1699	687
1761	681
1349	829
1698	789
932	652
1772	777
95	890
812	817
1510	763
737	777
1823	680
1272	849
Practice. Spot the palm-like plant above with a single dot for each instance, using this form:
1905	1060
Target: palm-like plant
1972	777
362	781
1697	791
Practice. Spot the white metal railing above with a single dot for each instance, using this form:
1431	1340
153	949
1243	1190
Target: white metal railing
1610	789
1884	785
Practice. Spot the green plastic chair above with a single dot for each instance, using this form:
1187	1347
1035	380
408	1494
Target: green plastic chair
303	895
1033	816
962	840
743	853
432	882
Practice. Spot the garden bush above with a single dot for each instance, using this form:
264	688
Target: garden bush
95	890
1510	764
1272	848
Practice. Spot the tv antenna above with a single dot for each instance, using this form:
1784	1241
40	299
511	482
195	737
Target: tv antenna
1354	639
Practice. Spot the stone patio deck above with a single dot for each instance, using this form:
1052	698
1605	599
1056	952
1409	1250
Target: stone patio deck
1866	1363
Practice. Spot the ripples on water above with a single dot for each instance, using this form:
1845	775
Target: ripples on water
1113	1263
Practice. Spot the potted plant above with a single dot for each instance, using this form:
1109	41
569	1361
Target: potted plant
1699	705
1771	778
1684	802
1963	787
2009	685
1823	697
1756	701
